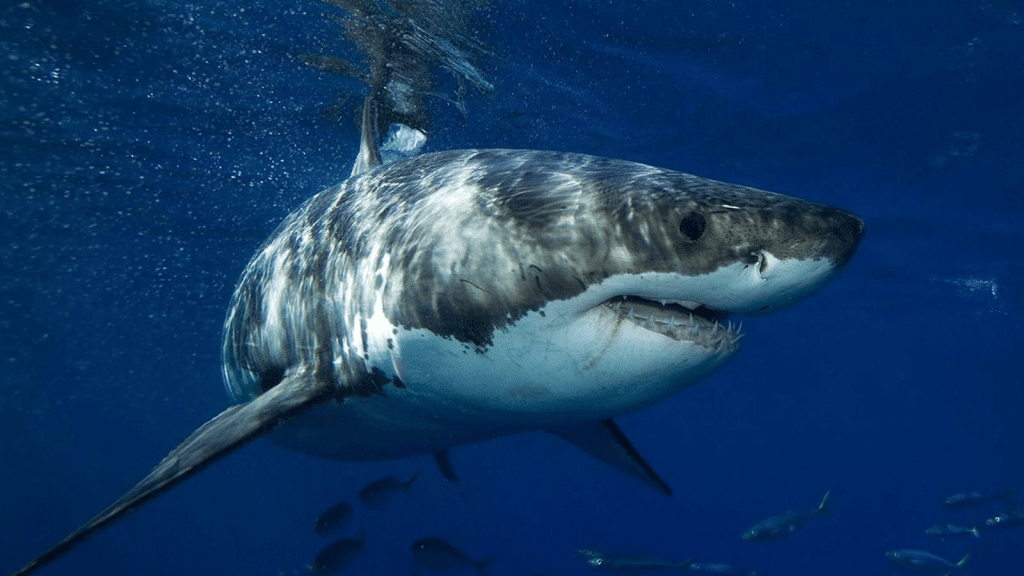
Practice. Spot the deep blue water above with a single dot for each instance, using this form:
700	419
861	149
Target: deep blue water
149	147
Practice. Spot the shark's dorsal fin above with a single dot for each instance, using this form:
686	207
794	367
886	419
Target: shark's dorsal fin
605	441
225	432
369	144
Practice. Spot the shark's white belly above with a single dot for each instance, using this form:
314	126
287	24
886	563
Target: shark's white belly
538	373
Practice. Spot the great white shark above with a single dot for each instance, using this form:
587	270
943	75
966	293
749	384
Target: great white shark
458	296
464	295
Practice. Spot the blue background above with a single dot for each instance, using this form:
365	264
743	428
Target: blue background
147	148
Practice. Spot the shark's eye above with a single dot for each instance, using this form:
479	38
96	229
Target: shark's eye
693	226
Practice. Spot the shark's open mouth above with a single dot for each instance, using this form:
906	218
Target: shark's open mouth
679	320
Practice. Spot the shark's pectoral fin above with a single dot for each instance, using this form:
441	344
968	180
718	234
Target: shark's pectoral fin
444	464
228	430
605	441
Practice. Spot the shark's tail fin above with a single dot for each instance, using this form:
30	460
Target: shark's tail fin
402	44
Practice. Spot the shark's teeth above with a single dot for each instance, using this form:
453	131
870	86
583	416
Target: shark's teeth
689	304
679	320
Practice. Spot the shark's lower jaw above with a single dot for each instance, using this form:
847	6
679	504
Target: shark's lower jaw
679	320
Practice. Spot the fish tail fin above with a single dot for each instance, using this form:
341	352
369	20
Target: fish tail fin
412	479
976	532
444	464
482	565
823	506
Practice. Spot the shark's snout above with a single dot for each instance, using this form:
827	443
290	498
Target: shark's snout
789	272
850	230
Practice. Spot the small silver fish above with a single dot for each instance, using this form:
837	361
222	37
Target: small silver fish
943	531
719	568
1007	518
631	563
921	561
437	554
334	519
778	526
974	498
382	491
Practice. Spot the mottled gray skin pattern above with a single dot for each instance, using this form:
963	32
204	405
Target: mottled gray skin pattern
464	243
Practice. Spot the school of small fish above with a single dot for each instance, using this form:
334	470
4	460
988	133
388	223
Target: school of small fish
923	561
781	525
336	558
433	553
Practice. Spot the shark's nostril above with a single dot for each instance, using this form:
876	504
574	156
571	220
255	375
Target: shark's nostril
759	259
